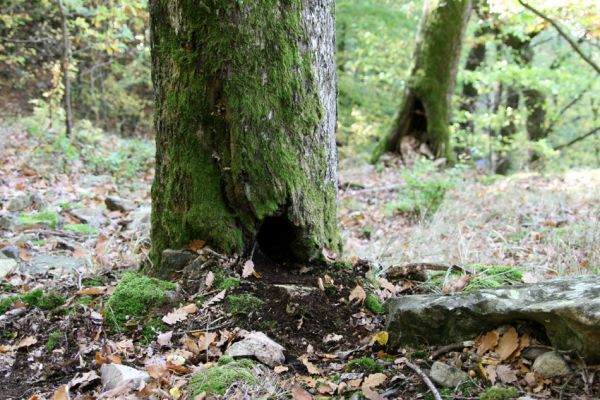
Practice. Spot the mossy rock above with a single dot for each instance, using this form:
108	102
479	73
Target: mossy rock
219	378
134	298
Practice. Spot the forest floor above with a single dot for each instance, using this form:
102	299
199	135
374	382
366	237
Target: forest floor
65	243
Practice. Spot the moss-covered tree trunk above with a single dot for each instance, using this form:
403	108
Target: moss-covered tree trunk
425	108
245	126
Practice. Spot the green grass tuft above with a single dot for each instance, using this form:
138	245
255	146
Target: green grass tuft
49	218
363	364
218	379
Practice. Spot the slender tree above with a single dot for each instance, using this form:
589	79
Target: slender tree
425	107
245	126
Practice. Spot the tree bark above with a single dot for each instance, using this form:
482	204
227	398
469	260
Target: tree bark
245	122
65	61
425	108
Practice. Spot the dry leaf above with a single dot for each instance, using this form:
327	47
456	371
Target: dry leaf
508	343
248	269
370	394
488	342
5	349
312	369
206	340
358	293
374	380
92	291
329	254
215	299
280	369
174	317
156	371
100	359
62	393
300	394
320	284
196	245
491	373
506	374
113	359
528	277
458	285
387	285
84	379
190	344
332	338
26	342
190	308
381	338
210	279
164	339
178	369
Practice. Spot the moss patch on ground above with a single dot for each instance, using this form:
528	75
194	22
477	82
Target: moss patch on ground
44	301
49	218
7	302
84	229
492	276
363	364
373	304
499	393
219	378
134	297
52	341
243	304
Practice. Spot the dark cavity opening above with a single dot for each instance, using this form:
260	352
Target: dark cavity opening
275	238
418	122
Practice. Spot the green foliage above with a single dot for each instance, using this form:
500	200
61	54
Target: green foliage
44	301
84	229
373	304
363	364
134	297
499	393
218	379
49	218
223	281
491	276
7	302
424	188
52	341
243	304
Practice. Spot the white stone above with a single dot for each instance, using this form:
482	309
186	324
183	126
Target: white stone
551	364
447	375
114	375
259	346
6	266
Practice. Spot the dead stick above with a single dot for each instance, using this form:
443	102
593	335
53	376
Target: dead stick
424	377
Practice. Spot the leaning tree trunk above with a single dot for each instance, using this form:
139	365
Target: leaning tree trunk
245	126
425	108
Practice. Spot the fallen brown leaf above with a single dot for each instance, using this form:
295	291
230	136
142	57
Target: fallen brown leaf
488	342
358	293
508	343
300	394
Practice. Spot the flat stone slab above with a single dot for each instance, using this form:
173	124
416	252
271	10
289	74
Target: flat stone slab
568	308
58	264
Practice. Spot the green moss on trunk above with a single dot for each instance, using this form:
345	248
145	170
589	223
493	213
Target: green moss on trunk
425	108
240	126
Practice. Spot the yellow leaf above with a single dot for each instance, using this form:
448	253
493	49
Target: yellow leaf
381	337
175	392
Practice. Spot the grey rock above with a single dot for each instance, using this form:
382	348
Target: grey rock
58	264
91	216
297	290
19	203
259	346
6	266
11	251
37	201
447	375
114	375
568	308
175	260
91	181
551	364
7	222
114	203
140	221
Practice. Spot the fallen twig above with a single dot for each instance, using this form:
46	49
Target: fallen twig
423	376
451	347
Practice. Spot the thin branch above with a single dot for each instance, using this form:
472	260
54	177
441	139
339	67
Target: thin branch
577	139
563	34
424	377
564	109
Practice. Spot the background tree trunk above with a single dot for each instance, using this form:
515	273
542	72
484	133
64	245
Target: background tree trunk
65	62
245	126
425	108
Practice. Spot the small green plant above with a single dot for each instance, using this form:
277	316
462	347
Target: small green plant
37	298
499	393
84	229
134	297
52	341
244	304
49	218
218	379
363	364
494	276
7	302
92	282
151	329
223	281
373	304
425	188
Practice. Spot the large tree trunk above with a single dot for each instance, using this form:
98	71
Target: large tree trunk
425	108
245	126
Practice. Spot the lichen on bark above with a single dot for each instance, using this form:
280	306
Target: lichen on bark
425	107
245	119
